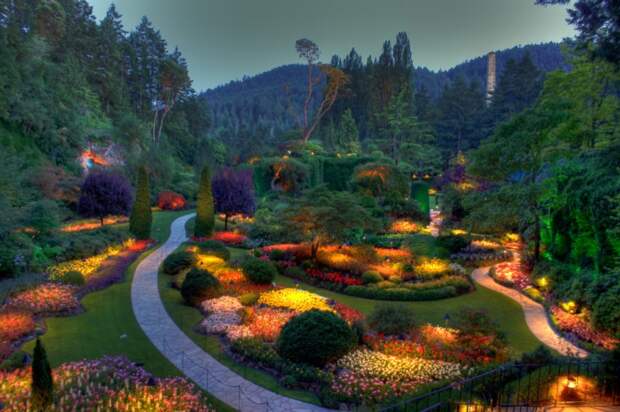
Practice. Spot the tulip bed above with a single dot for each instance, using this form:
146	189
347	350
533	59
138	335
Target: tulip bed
50	298
109	383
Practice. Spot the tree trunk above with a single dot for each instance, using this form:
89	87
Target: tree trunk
314	248
101	220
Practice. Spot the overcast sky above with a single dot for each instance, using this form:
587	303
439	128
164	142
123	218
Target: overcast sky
223	40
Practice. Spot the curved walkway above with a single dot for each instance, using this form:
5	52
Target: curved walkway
535	315
188	357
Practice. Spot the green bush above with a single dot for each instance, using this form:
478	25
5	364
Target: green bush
371	276
205	209
141	217
259	271
295	272
199	285
315	338
385	284
452	243
392	319
249	299
534	294
277	254
401	294
215	248
73	277
177	262
606	310
256	350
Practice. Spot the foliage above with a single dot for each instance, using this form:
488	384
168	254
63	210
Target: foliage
205	216
325	216
380	180
392	320
141	217
169	200
72	277
371	276
259	271
42	388
315	337
198	286
103	194
177	262
213	248
233	193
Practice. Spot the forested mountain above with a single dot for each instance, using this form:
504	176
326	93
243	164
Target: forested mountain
264	100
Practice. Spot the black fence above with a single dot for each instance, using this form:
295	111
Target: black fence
524	387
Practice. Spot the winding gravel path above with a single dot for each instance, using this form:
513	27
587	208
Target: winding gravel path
189	358
535	315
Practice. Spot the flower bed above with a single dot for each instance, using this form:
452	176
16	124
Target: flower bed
375	377
294	299
577	325
48	298
15	325
404	226
110	383
222	304
333	277
267	323
230	238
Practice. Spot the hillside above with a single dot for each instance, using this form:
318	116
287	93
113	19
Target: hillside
262	100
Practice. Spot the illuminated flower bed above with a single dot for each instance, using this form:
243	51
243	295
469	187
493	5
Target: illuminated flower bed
294	299
576	324
267	323
230	238
230	275
218	323
393	368
87	267
333	277
432	268
512	274
15	325
404	226
221	304
347	313
110	383
93	224
45	298
369	390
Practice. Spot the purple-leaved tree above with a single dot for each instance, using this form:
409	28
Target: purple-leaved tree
103	194
233	193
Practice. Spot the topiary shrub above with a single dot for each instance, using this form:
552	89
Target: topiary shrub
141	217
453	244
259	271
177	262
73	277
199	285
316	338
205	209
392	319
215	248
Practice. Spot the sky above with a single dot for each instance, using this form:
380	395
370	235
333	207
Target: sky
224	40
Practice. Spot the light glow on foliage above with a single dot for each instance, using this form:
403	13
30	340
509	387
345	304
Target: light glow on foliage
404	226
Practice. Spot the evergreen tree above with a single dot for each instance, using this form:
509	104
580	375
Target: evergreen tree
141	217
348	133
42	388
205	210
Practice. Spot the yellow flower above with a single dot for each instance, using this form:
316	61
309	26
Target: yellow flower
295	299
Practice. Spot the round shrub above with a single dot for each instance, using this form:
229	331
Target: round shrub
277	254
248	299
259	271
452	243
177	262
199	285
371	276
385	284
215	248
316	338
392	319
73	277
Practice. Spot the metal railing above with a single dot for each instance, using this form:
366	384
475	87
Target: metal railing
527	387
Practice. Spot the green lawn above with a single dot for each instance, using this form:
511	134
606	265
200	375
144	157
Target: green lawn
507	313
108	326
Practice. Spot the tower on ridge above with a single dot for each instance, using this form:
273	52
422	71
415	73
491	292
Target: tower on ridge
491	76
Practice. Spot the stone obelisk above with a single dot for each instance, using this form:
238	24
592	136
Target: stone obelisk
491	76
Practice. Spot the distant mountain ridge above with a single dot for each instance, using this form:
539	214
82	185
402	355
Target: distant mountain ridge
263	99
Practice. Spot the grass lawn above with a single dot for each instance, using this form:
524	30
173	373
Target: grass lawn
507	313
108	326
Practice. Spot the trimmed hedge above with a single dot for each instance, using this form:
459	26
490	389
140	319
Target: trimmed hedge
198	286
259	271
177	262
402	294
315	338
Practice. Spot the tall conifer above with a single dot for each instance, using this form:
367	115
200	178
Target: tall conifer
205	215
42	389
141	217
